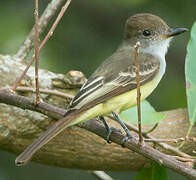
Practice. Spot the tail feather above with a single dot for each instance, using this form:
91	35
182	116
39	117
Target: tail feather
54	130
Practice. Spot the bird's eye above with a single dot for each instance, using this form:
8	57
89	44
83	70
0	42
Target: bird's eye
146	33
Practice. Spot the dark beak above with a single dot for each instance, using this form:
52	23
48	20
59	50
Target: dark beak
175	31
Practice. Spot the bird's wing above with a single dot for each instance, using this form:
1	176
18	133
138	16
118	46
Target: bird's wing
114	77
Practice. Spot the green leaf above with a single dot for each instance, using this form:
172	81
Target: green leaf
158	172
144	173
190	71
148	114
155	172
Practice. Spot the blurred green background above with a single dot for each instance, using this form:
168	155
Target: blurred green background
88	33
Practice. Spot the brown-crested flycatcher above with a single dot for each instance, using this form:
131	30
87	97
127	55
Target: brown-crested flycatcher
112	88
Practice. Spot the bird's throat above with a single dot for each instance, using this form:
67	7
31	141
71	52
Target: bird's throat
157	48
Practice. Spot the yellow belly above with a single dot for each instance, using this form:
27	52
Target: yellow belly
118	103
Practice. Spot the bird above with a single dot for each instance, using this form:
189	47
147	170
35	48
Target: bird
112	87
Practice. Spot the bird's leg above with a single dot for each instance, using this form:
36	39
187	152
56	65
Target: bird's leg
109	129
128	133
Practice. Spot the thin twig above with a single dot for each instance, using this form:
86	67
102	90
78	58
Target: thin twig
48	13
176	140
102	175
47	37
136	47
193	160
189	161
152	129
51	31
165	140
187	135
37	51
45	91
161	144
17	82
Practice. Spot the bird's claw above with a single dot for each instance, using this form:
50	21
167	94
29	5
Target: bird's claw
125	139
110	130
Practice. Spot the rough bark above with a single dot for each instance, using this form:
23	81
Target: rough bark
75	147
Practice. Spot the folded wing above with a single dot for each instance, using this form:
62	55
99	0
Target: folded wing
109	81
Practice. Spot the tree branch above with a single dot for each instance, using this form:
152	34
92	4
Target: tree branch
97	128
76	147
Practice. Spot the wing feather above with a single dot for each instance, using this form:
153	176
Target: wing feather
101	88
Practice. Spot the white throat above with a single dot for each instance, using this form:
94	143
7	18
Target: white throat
159	50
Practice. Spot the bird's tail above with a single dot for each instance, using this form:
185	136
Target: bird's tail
54	130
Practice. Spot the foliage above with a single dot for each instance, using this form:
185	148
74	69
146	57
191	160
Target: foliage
148	114
190	70
155	172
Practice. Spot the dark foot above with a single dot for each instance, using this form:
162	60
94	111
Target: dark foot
109	129
128	133
125	139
